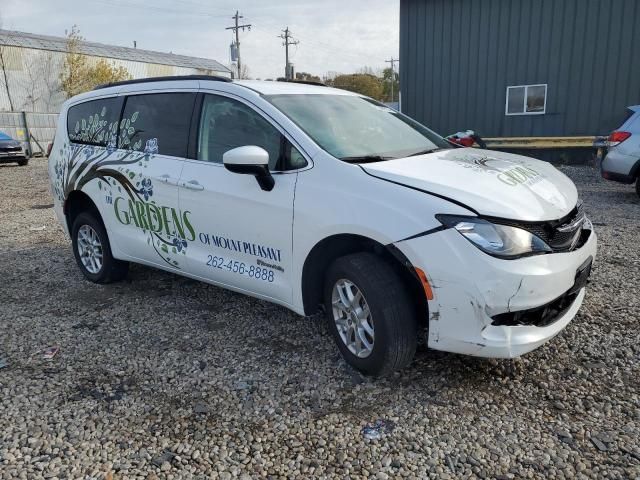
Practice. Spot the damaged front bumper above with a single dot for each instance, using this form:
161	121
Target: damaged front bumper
490	307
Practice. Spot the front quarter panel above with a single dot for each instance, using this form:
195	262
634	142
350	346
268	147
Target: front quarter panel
336	198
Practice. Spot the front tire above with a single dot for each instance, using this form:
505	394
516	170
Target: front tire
92	250
22	163
370	314
638	186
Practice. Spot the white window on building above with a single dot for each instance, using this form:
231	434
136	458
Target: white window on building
526	100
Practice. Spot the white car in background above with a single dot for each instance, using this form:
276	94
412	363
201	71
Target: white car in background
622	162
313	197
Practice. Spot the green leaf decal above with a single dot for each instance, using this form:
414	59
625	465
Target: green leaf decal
103	112
164	248
99	185
134	117
131	174
174	250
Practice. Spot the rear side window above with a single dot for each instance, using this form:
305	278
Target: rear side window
157	123
94	122
632	121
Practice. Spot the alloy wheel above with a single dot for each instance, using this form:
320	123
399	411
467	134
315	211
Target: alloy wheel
352	316
90	249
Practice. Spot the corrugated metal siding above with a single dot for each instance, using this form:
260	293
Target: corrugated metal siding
93	49
457	58
34	77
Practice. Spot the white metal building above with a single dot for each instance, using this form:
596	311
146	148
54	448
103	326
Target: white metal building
32	65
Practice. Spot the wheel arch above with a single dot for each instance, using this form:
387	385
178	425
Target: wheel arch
77	202
330	248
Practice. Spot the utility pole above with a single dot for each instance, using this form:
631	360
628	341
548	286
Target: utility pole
236	30
288	40
393	73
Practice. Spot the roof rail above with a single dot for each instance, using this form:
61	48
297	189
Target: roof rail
164	79
304	82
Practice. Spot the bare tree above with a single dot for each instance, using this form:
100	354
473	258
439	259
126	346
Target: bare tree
51	81
244	71
32	88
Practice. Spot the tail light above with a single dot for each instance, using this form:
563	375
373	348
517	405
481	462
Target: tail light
49	148
616	138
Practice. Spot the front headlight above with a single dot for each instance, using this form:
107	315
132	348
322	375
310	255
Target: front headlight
498	240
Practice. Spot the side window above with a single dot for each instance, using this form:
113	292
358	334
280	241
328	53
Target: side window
157	123
94	122
526	100
226	124
295	159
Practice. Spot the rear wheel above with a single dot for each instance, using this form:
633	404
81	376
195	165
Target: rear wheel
92	251
370	314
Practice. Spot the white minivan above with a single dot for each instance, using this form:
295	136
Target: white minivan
318	198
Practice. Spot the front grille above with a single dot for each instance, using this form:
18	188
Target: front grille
561	235
10	149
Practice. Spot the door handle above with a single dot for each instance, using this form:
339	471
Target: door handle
192	185
167	179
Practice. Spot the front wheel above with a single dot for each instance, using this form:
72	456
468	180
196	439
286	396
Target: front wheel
370	314
24	162
638	186
92	251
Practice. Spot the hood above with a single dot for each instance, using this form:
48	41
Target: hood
495	184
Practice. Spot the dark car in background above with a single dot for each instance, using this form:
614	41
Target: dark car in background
12	150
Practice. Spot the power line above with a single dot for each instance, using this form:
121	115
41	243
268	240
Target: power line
236	30
159	9
288	40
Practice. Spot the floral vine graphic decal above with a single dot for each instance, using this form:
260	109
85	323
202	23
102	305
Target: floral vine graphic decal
108	153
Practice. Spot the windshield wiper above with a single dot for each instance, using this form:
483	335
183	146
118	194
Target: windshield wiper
366	158
424	152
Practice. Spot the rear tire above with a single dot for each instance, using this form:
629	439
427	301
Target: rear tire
92	250
360	283
638	186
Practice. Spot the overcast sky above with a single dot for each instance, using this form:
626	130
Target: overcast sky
335	35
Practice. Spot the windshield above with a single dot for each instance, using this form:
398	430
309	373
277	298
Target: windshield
356	129
4	136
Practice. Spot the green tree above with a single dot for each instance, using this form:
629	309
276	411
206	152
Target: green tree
104	72
363	83
307	77
79	74
389	78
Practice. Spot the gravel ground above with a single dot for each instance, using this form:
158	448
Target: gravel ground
165	377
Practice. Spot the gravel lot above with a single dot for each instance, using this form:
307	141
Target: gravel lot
164	377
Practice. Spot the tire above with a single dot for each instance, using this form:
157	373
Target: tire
392	316
85	226
638	186
24	162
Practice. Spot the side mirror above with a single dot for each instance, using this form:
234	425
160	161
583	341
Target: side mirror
250	160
